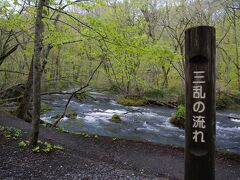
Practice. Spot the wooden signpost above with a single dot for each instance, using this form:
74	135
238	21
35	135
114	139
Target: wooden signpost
200	103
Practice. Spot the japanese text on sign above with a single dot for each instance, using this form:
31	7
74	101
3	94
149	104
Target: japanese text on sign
198	106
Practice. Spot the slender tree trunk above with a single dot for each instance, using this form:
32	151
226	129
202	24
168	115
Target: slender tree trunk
165	76
39	28
236	48
57	77
25	103
23	111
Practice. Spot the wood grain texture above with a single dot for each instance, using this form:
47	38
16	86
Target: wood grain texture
200	57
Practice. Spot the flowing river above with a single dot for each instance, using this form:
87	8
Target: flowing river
146	123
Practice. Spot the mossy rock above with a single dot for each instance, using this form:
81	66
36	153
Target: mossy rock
116	118
131	101
57	116
179	122
179	118
72	115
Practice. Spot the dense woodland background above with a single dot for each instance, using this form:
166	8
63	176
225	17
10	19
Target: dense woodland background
132	47
140	43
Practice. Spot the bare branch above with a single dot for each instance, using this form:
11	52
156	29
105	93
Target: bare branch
77	91
2	57
16	72
76	19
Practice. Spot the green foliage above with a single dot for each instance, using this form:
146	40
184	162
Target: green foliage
116	118
155	93
181	99
164	95
36	149
41	147
179	118
180	111
131	101
10	132
228	100
23	144
57	147
45	147
136	50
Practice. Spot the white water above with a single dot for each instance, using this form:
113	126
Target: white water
149	123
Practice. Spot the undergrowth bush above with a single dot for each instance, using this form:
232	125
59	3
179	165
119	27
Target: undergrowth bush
178	119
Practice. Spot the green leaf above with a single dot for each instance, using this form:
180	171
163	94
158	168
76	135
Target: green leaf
22	144
58	147
36	149
15	2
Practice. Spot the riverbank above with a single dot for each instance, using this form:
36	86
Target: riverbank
97	158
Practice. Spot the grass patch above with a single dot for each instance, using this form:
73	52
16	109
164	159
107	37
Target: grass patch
23	144
10	132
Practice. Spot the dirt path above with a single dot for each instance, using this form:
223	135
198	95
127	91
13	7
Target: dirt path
102	158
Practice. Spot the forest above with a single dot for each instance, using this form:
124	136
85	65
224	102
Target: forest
86	76
134	48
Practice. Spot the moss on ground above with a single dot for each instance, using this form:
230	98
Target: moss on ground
131	101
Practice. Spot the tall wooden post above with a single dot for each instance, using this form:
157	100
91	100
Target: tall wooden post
200	103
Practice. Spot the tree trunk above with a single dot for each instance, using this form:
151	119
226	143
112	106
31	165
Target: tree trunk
39	28
165	76
236	48
57	75
25	104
